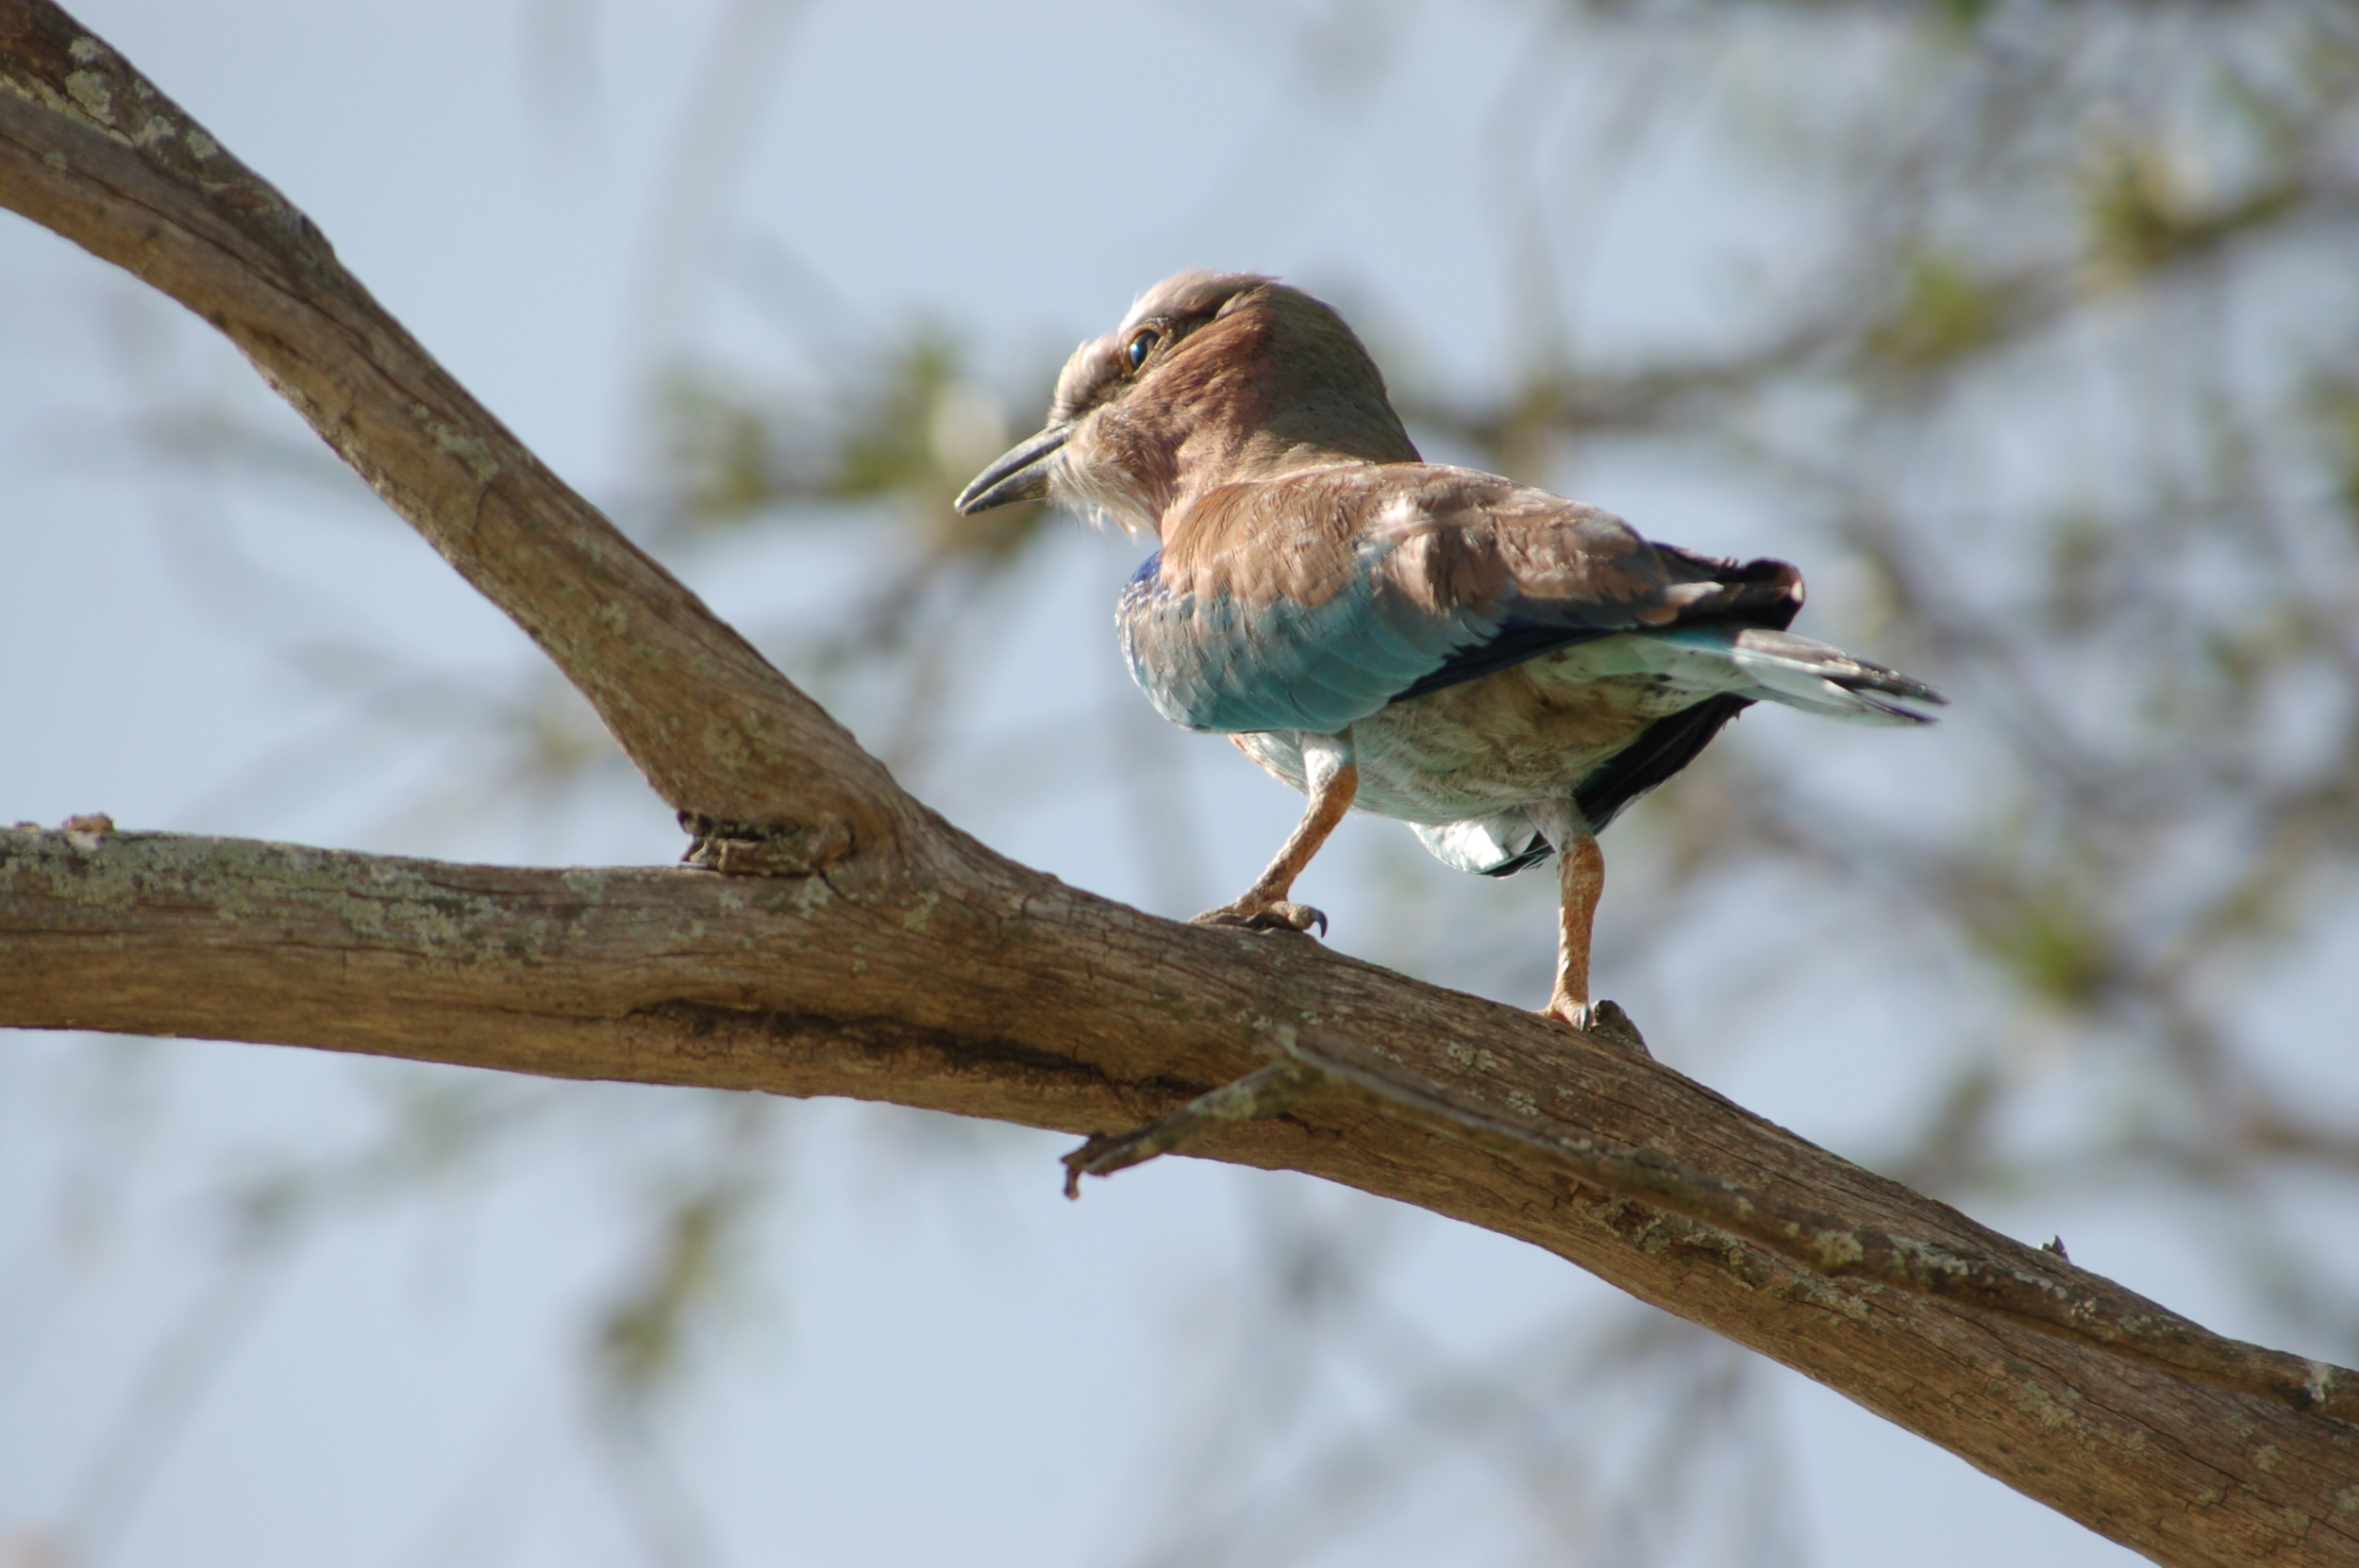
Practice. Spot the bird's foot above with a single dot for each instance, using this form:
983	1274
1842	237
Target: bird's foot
1604	1020
1264	914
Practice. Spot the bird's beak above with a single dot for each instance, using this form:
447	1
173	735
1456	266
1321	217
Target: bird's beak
1020	474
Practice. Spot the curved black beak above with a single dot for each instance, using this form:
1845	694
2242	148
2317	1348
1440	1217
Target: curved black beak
1020	474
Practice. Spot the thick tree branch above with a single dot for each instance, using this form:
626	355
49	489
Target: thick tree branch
2058	1297
1026	1001
884	956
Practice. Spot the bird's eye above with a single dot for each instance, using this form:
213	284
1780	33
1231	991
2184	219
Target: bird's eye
1141	347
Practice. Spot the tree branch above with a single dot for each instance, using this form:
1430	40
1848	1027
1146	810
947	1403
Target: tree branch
882	954
2062	1299
1029	1002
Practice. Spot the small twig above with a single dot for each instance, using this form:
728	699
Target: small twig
1264	1093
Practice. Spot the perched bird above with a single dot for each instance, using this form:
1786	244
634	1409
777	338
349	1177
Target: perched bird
1500	668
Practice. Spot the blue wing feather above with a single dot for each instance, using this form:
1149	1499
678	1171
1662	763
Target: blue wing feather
1310	602
1212	662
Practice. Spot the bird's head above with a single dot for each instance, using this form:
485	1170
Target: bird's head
1209	380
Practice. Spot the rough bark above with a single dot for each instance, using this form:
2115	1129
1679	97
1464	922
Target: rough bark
876	952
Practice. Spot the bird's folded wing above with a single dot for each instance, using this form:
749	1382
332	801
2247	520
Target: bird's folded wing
1309	602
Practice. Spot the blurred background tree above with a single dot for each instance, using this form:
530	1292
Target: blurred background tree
2026	330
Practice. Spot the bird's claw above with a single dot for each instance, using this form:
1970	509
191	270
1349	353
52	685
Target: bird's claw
1604	1020
1264	915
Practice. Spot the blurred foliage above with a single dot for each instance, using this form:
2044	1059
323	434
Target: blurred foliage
1945	315
908	429
420	1134
2334	406
2142	218
646	1330
892	436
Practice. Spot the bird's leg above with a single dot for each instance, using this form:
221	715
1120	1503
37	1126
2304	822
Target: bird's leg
1331	778
1580	875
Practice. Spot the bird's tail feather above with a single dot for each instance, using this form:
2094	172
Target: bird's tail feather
1821	679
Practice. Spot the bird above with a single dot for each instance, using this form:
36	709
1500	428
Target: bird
1500	668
